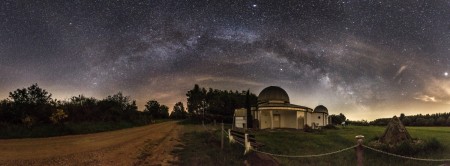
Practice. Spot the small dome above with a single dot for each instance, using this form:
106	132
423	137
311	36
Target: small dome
321	109
273	93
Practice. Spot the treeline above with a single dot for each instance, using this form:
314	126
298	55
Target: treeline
35	106
439	119
214	104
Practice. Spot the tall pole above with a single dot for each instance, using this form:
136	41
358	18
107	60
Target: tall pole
221	142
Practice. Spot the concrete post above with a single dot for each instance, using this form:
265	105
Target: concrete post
246	144
230	136
359	150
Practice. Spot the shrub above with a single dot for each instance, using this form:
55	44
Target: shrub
330	126
410	148
307	128
58	116
28	121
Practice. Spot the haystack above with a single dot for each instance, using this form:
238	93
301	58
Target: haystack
395	132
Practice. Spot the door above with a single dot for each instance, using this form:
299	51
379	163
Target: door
276	120
301	122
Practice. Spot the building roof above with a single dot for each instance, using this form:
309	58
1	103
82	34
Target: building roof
273	93
283	106
321	109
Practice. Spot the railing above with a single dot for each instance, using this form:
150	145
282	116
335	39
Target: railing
246	140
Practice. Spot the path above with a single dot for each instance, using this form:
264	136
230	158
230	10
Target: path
146	145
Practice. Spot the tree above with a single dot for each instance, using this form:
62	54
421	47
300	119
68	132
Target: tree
58	116
195	100
152	107
178	111
32	104
440	121
448	121
338	119
31	95
164	112
249	111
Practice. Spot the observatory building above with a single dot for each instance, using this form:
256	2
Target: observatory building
274	110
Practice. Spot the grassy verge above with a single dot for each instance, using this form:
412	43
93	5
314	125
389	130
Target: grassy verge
200	148
19	131
291	142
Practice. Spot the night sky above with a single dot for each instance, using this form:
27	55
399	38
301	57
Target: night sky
366	59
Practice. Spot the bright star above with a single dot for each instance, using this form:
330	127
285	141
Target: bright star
254	5
446	74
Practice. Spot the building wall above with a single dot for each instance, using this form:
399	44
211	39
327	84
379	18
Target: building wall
240	122
264	119
322	121
288	119
301	119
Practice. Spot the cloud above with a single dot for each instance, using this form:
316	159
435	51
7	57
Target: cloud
436	90
427	98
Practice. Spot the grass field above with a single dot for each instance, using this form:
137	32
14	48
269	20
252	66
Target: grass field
294	142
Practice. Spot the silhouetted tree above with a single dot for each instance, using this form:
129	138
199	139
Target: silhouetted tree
164	112
152	107
178	111
338	119
216	104
249	111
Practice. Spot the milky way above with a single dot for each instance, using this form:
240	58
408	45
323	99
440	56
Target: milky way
366	59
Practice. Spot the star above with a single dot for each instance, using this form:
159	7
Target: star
446	74
254	5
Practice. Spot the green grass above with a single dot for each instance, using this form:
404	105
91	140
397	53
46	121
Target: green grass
292	142
39	131
199	149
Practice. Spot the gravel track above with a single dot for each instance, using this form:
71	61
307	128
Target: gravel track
146	145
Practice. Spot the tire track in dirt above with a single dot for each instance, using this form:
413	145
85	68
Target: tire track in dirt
122	147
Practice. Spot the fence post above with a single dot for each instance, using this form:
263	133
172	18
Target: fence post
246	144
221	142
230	136
359	150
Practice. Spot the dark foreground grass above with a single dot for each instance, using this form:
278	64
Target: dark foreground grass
19	131
293	142
201	149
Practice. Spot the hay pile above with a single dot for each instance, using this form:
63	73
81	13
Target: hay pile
395	133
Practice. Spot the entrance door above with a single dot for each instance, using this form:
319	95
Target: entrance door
276	120
301	122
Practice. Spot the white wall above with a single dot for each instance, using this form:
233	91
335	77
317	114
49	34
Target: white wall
264	119
315	119
301	119
239	122
288	119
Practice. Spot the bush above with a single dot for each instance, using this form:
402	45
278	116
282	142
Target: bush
433	145
410	148
330	126
307	128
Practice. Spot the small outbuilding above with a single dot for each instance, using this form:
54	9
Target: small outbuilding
240	117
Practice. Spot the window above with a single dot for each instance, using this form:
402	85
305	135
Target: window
319	117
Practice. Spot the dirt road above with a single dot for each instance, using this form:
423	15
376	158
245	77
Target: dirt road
147	145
